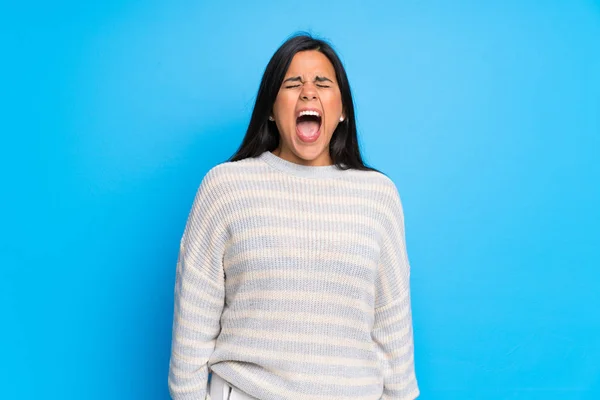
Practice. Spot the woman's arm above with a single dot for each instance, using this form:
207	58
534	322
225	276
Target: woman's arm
198	295
392	330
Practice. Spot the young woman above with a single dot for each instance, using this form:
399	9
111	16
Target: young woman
292	278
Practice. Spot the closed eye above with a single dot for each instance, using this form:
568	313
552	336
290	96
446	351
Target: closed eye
323	81
295	86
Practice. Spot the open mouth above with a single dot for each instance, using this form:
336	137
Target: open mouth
308	125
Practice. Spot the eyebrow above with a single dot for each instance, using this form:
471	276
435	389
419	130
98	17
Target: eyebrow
293	79
299	79
323	79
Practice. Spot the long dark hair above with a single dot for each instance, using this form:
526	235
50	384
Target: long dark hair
262	135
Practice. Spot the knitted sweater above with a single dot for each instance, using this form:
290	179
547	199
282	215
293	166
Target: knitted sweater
292	282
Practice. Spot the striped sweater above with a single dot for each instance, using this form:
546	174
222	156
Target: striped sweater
292	282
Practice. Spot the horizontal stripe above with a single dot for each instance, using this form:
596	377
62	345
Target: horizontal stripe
279	231
354	327
323	298
295	357
283	274
357	222
299	253
292	204
304	316
301	338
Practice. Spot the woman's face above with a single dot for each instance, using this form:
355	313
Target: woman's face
307	109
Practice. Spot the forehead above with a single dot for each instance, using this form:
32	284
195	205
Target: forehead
309	63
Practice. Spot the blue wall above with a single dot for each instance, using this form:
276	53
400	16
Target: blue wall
485	114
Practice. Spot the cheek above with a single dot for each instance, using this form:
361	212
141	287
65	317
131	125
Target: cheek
284	106
333	106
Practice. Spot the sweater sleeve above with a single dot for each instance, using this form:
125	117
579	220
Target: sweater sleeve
392	329
198	295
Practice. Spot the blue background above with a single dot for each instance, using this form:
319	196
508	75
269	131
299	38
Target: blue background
485	114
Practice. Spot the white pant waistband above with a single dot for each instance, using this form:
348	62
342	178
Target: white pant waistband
220	389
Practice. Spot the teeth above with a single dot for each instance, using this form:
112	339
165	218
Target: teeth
303	113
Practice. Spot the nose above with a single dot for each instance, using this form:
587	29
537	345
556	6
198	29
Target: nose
309	92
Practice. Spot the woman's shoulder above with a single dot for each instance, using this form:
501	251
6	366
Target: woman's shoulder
227	169
219	175
372	177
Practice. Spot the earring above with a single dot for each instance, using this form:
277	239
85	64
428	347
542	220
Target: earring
271	118
342	119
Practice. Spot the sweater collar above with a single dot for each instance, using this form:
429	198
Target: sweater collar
306	171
